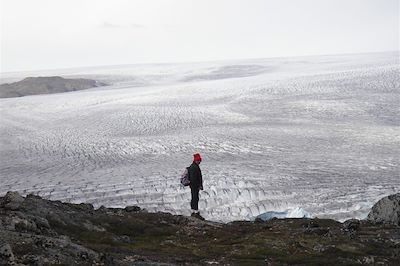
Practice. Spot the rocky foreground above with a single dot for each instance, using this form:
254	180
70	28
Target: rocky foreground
35	231
45	85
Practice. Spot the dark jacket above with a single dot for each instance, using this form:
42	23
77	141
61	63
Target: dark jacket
195	177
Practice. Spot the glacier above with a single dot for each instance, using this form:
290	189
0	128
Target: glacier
290	213
317	134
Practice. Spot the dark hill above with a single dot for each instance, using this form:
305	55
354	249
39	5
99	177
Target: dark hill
45	85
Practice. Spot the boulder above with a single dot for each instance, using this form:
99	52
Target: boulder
24	225
91	227
41	222
351	225
6	254
132	208
12	201
386	210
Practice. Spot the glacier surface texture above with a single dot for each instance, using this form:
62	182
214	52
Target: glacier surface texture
317	134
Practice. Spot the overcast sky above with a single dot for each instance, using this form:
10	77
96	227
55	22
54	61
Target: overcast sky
49	34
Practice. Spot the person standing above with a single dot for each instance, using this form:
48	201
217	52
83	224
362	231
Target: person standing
196	184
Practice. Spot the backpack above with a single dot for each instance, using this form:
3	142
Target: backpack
185	177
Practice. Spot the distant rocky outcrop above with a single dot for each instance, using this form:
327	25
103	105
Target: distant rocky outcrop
386	210
45	85
35	231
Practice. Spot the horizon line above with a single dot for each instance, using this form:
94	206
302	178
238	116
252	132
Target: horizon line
192	62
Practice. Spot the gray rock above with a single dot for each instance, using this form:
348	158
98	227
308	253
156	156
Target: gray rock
33	196
102	208
41	223
319	248
107	259
86	206
82	252
91	227
15	222
369	260
311	224
124	239
316	231
12	201
24	225
34	260
54	218
43	242
132	208
386	210
351	225
6	254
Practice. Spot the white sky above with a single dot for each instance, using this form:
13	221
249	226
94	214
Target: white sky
48	34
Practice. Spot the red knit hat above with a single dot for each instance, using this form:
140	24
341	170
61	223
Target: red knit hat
196	157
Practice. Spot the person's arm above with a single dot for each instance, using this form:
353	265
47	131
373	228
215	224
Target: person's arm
201	179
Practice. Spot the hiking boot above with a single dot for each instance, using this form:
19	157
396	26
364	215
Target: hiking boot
197	215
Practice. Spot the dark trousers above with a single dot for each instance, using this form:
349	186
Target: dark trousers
194	203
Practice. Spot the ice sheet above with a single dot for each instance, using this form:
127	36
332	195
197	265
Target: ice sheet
317	133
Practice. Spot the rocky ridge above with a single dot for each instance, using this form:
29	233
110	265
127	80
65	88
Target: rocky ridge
45	85
36	231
